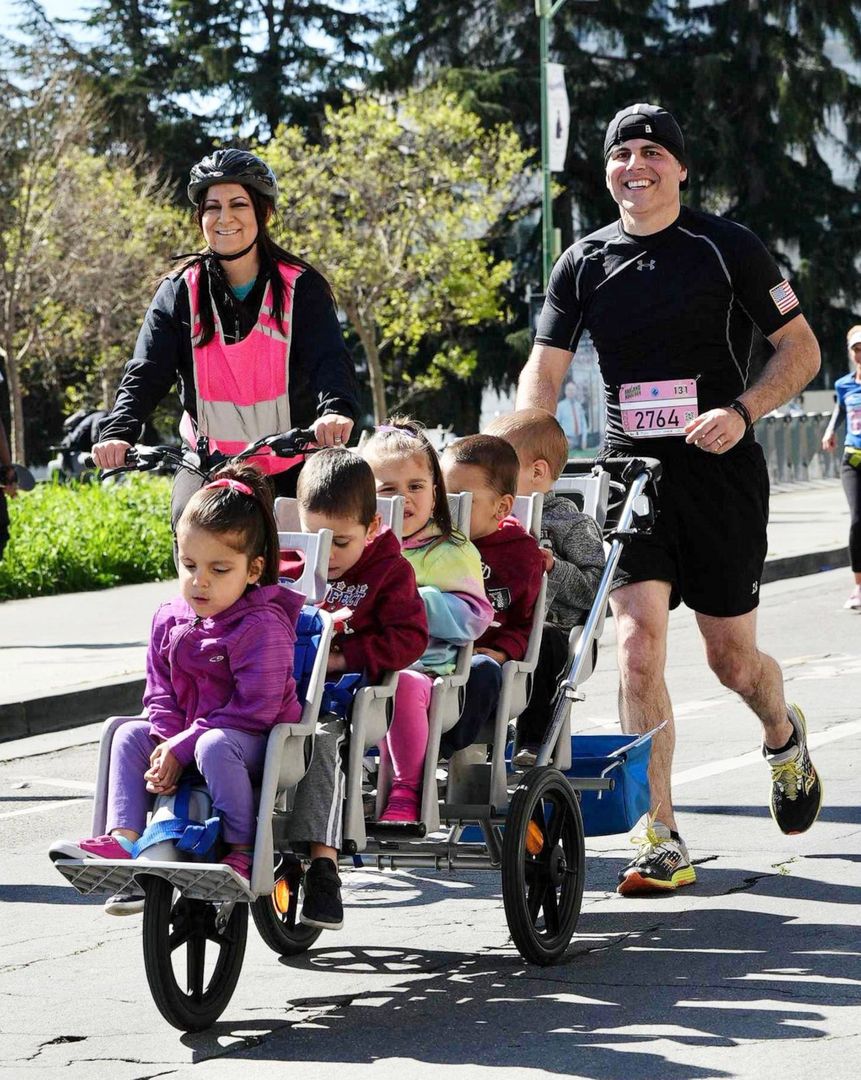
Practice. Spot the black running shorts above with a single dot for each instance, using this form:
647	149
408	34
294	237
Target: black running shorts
709	538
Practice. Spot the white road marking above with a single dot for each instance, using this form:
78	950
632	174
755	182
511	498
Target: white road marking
49	781
35	809
713	768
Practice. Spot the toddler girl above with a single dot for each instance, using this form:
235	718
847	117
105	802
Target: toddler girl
448	573
219	675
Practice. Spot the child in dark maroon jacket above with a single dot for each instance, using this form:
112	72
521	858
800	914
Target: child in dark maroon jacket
387	629
512	564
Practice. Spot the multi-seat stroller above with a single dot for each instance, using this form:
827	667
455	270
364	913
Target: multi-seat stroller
479	812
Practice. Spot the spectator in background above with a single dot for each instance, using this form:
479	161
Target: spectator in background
8	486
571	414
848	411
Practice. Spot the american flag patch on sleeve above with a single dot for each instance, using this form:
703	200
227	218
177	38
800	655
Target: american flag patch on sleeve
783	296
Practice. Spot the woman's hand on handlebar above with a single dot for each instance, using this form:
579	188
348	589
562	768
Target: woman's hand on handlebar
332	430
110	454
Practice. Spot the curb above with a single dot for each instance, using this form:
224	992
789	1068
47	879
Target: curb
811	562
75	708
70	709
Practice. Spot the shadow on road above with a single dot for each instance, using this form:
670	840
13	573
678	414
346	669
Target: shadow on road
697	978
841	815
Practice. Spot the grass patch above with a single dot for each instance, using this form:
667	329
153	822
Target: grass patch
75	537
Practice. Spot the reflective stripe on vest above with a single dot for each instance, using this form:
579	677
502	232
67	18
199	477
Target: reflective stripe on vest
242	390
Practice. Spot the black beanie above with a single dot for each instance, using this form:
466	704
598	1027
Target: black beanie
645	121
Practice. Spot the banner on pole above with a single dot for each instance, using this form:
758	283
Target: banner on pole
558	116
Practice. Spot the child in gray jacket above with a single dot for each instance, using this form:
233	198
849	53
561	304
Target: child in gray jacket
574	559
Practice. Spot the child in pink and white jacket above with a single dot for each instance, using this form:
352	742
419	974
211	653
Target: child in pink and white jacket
448	573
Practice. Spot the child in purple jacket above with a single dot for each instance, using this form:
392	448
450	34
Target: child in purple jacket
219	677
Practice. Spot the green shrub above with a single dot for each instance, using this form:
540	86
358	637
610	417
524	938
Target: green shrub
70	538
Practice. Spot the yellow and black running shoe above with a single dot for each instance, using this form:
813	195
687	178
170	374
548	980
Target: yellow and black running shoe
661	863
796	790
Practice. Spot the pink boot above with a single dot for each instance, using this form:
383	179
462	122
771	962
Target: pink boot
403	804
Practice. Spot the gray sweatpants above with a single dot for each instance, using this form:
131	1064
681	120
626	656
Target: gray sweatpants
318	805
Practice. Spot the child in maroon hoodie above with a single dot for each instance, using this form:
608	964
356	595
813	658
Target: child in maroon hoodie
387	629
512	564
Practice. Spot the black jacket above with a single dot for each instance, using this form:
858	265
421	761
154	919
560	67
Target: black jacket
322	378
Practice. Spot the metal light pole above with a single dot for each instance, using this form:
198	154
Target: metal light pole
545	10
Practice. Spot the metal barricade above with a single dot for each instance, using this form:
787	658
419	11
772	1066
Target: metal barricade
793	447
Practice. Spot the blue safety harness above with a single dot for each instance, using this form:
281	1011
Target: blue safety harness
193	837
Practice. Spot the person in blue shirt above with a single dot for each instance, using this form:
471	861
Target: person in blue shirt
848	411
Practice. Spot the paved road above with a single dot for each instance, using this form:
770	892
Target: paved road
756	972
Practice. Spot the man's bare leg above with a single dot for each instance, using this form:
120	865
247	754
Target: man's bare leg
641	614
732	654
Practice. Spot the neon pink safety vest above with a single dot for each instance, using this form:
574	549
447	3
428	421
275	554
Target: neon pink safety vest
242	389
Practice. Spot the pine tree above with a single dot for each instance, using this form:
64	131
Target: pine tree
765	108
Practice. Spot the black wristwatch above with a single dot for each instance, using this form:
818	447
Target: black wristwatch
742	410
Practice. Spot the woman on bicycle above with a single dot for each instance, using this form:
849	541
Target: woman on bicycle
848	411
247	330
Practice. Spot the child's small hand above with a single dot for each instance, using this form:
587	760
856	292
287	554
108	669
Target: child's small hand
549	561
494	654
164	771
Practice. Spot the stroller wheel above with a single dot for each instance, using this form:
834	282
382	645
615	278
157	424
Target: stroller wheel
276	915
192	968
543	862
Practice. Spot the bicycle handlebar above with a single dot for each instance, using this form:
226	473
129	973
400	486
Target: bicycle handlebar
146	458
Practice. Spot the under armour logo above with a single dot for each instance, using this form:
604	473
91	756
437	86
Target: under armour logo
215	659
754	589
643	265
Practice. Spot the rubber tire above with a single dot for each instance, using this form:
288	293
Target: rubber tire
272	925
534	944
161	911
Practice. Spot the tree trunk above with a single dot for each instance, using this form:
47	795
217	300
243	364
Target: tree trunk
375	373
368	338
16	407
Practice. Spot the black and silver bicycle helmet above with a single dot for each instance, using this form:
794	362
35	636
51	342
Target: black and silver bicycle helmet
232	167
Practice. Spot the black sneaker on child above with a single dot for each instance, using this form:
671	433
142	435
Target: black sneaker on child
796	790
322	905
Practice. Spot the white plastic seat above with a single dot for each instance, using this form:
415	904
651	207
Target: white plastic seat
446	701
284	767
472	782
389	507
370	714
316	548
391	511
287	514
594	489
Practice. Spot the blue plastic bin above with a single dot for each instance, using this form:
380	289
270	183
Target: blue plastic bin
623	759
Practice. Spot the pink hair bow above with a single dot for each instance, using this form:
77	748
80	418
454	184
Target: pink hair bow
227	482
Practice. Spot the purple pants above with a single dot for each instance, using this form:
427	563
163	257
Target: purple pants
231	763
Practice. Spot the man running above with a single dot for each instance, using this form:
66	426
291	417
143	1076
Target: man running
677	303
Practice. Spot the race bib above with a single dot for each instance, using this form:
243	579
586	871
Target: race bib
853	419
654	409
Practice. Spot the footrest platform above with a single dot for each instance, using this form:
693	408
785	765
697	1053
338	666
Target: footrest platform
197	881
